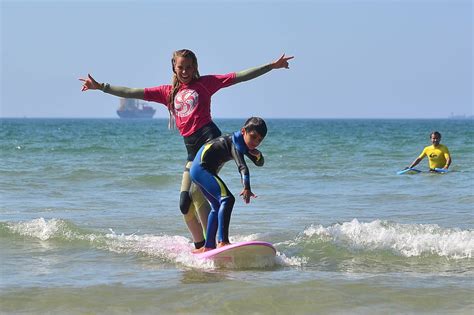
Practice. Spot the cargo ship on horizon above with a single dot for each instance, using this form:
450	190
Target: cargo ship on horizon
132	108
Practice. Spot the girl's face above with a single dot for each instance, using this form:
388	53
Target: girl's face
184	69
252	139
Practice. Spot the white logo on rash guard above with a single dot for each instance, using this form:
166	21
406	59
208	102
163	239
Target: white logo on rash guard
185	102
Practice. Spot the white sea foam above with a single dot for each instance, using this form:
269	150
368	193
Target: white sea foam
405	239
171	248
38	228
283	260
49	229
245	238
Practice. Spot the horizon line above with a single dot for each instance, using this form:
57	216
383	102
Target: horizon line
455	117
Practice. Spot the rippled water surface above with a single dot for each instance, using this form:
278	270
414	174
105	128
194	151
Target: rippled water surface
89	212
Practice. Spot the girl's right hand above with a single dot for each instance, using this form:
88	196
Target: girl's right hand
90	83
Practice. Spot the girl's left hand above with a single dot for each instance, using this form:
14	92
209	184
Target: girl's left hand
282	62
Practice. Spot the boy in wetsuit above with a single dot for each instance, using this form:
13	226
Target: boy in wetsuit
210	159
437	153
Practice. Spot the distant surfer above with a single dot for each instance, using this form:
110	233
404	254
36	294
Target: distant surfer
210	159
188	100
437	153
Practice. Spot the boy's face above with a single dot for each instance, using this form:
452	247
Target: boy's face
252	139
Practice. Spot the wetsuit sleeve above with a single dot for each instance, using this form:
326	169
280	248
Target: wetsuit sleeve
252	73
242	166
122	91
257	161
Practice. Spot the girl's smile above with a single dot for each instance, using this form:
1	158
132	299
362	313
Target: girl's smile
184	69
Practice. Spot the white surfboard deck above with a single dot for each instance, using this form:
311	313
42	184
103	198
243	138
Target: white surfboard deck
252	250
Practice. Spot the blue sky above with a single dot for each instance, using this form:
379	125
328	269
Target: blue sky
353	59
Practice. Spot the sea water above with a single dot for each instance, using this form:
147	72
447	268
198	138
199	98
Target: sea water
90	223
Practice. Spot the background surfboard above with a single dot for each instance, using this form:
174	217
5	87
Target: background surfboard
409	171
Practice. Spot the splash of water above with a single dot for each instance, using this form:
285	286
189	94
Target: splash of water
405	239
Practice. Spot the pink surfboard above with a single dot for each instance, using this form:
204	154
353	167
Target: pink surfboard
239	251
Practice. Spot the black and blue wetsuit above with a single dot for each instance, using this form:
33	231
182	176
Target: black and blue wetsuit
208	161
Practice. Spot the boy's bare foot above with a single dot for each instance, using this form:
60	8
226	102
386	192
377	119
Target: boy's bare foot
201	250
222	244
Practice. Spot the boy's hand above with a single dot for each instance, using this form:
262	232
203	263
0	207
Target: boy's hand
255	153
246	194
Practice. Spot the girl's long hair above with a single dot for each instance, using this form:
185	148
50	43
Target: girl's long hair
186	53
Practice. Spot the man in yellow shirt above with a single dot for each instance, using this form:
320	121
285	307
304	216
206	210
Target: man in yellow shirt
438	154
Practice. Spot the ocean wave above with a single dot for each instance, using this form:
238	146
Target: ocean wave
52	229
352	246
168	249
409	240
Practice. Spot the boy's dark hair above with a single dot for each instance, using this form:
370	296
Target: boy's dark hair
256	124
435	133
